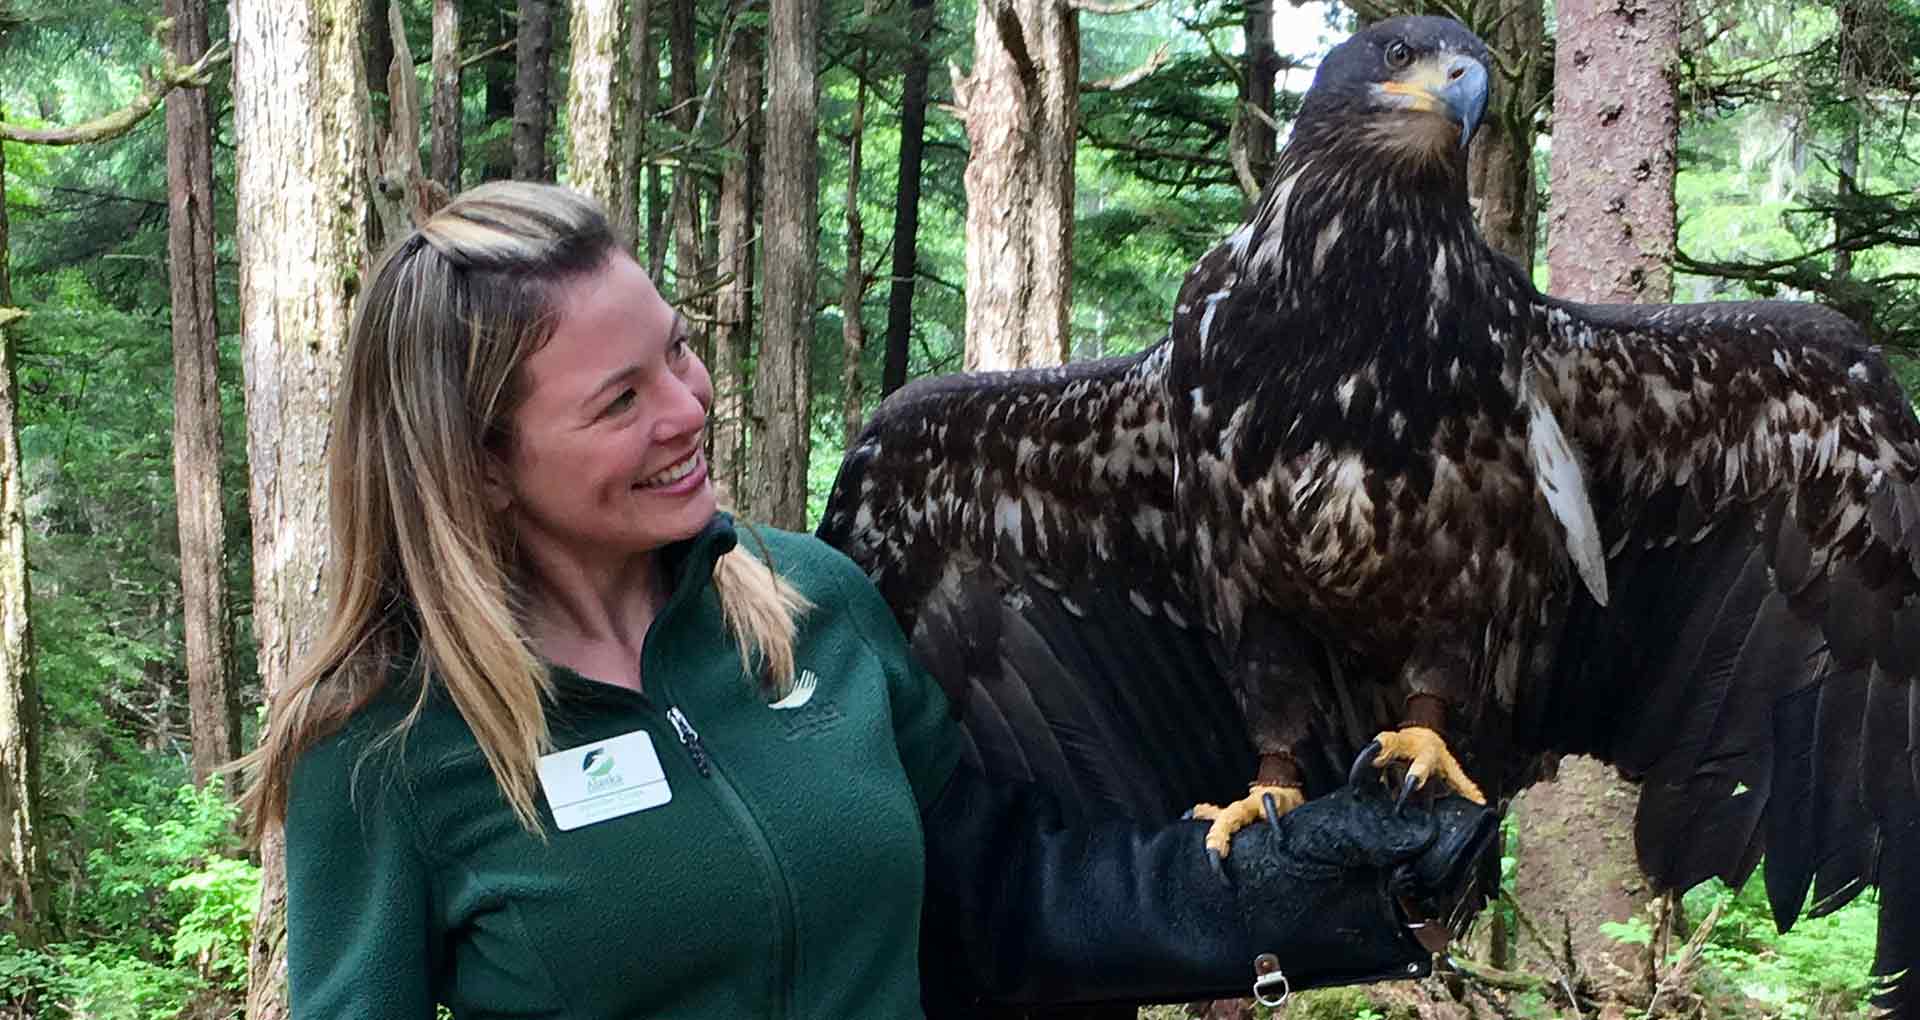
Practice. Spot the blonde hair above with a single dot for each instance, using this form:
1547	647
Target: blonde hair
422	569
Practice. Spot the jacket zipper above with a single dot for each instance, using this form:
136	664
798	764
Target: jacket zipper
762	846
690	739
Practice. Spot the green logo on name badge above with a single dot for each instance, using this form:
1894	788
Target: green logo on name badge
597	763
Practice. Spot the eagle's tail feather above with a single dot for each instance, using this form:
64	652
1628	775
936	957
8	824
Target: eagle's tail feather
1896	964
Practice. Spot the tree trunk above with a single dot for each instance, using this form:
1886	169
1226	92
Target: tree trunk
1848	188
402	193
853	282
1257	137
533	91
22	853
689	275
594	118
791	227
1611	238
446	94
638	100
377	46
302	217
906	204
1020	106
646	102
1574	870
1500	170
1614	141
196	404
496	159
733	304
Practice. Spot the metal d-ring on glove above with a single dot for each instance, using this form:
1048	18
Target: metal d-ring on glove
1270	985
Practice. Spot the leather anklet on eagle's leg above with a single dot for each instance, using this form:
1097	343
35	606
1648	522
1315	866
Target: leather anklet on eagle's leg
1419	745
1276	789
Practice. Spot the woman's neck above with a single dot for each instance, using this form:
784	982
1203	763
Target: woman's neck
594	619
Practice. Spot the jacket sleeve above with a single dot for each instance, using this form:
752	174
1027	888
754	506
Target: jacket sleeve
358	891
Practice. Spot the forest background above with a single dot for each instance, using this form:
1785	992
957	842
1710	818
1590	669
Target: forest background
843	194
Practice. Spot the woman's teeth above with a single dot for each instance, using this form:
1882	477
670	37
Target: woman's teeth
674	473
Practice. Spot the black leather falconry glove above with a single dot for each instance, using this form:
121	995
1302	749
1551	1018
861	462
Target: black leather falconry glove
1024	910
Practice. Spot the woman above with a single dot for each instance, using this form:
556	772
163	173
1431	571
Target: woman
566	749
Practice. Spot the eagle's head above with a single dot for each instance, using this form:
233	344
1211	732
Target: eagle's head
1407	92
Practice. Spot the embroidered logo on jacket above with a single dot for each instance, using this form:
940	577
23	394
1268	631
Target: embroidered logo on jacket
803	687
806	711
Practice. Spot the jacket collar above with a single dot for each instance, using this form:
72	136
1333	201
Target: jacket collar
689	562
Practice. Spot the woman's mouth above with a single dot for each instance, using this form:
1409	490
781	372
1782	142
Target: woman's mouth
678	471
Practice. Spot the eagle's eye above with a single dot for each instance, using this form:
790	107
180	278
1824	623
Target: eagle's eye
1399	55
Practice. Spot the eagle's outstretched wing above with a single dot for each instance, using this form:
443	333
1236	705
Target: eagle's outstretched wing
1021	526
1755	473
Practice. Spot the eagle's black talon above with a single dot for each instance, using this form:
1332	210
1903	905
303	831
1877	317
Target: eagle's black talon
1219	866
1273	811
1407	786
1363	764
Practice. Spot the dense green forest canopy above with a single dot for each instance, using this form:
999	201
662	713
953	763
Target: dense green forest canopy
1799	178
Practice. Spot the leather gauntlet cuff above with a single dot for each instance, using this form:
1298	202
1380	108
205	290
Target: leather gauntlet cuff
1023	909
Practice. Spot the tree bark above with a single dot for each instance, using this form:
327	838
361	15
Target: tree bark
1500	164
402	193
906	204
1020	106
1257	136
638	101
782	395
1848	188
197	443
496	159
853	281
1610	238
689	272
733	303
22	851
1615	131
446	94
302	210
533	91
646	102
594	117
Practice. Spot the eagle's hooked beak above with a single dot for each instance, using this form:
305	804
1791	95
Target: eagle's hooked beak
1450	83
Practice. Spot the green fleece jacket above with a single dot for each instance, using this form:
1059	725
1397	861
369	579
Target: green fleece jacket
770	865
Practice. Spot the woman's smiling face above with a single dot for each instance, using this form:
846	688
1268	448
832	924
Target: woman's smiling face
606	458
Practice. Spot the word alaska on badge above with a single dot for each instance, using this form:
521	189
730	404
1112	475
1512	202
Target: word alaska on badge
594	782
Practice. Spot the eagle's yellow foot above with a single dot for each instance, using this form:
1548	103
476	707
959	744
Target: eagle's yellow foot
1425	754
1271	801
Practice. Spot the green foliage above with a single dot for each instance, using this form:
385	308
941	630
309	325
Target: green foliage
223	897
1822	963
164	918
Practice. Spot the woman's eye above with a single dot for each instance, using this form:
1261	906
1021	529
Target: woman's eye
678	349
621	402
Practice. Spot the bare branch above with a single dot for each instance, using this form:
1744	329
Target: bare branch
1130	78
1123	7
485	54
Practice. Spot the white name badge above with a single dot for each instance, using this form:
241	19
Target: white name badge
594	782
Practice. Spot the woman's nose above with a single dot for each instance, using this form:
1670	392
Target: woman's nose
682	408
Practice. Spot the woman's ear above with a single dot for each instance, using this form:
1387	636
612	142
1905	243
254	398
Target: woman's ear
494	483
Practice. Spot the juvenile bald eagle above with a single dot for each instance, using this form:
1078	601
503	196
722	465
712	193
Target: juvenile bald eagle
1373	478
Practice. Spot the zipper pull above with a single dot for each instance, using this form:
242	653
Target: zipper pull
691	740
